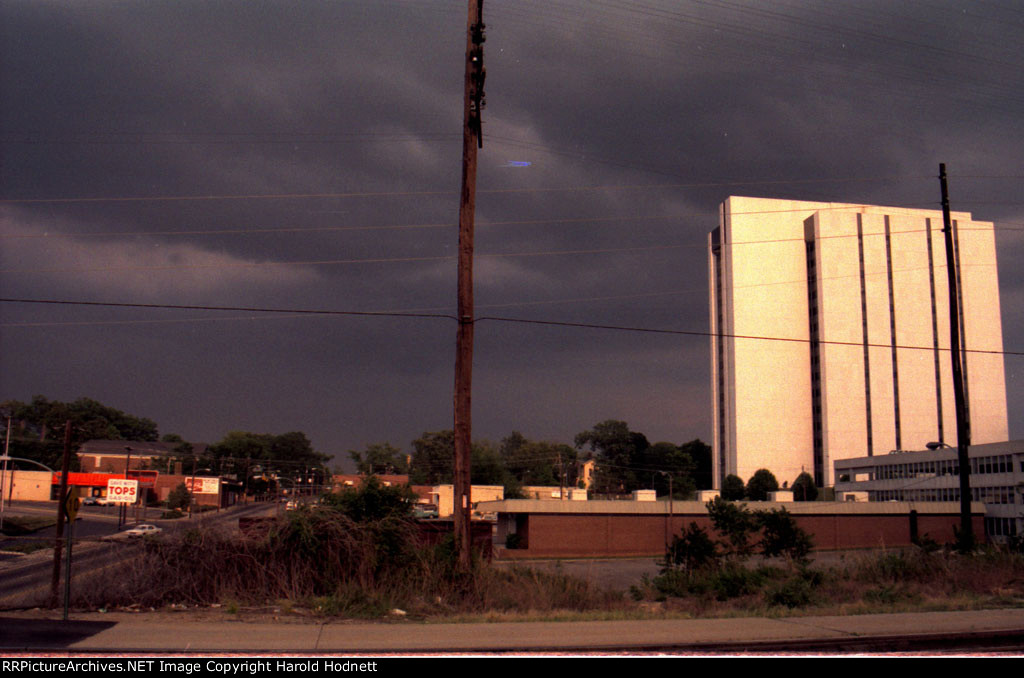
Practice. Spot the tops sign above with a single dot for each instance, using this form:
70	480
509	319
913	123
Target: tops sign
122	491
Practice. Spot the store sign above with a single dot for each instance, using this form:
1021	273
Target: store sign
120	491
203	485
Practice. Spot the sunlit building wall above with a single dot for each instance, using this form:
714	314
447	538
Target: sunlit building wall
831	334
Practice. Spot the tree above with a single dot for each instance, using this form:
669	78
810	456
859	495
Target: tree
760	484
618	452
804	488
700	453
381	459
37	427
671	461
733	488
781	536
736	524
373	500
179	498
289	455
538	463
433	458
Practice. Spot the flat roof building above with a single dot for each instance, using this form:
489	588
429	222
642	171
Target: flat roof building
997	480
830	334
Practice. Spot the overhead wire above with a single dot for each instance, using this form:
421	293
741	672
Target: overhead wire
481	319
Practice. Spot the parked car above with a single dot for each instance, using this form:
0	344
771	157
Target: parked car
424	511
90	501
143	531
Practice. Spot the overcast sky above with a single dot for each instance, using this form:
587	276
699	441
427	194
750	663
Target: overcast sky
306	155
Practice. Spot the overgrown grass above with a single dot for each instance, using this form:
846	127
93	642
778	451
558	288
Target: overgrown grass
317	561
908	580
320	560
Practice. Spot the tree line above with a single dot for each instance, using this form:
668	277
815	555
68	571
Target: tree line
624	461
37	433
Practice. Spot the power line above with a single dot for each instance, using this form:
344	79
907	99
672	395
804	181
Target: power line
420	193
552	323
246	309
413	312
332	262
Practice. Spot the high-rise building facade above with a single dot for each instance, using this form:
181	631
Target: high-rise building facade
830	334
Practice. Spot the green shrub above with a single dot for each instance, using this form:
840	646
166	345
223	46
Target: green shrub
736	524
735	581
179	497
793	592
781	537
692	549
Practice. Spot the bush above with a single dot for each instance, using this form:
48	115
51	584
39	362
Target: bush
793	592
735	581
692	549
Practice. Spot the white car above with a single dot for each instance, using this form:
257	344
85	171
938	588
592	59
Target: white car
143	531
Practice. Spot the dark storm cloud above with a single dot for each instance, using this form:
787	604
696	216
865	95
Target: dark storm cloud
177	99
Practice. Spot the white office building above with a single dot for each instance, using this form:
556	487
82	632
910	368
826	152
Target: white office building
996	479
831	334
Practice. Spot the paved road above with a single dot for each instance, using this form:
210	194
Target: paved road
25	580
934	632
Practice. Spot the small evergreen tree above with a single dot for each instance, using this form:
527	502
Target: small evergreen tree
179	498
760	484
732	488
804	488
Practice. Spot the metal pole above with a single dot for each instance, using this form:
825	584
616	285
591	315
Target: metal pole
963	432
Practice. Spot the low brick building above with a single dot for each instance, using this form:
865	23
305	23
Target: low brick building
627	528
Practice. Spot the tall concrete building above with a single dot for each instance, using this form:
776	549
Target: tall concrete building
831	335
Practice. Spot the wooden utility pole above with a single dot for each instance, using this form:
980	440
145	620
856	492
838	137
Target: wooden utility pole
471	140
61	514
963	430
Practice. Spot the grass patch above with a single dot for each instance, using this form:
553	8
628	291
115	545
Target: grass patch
28	546
17	526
